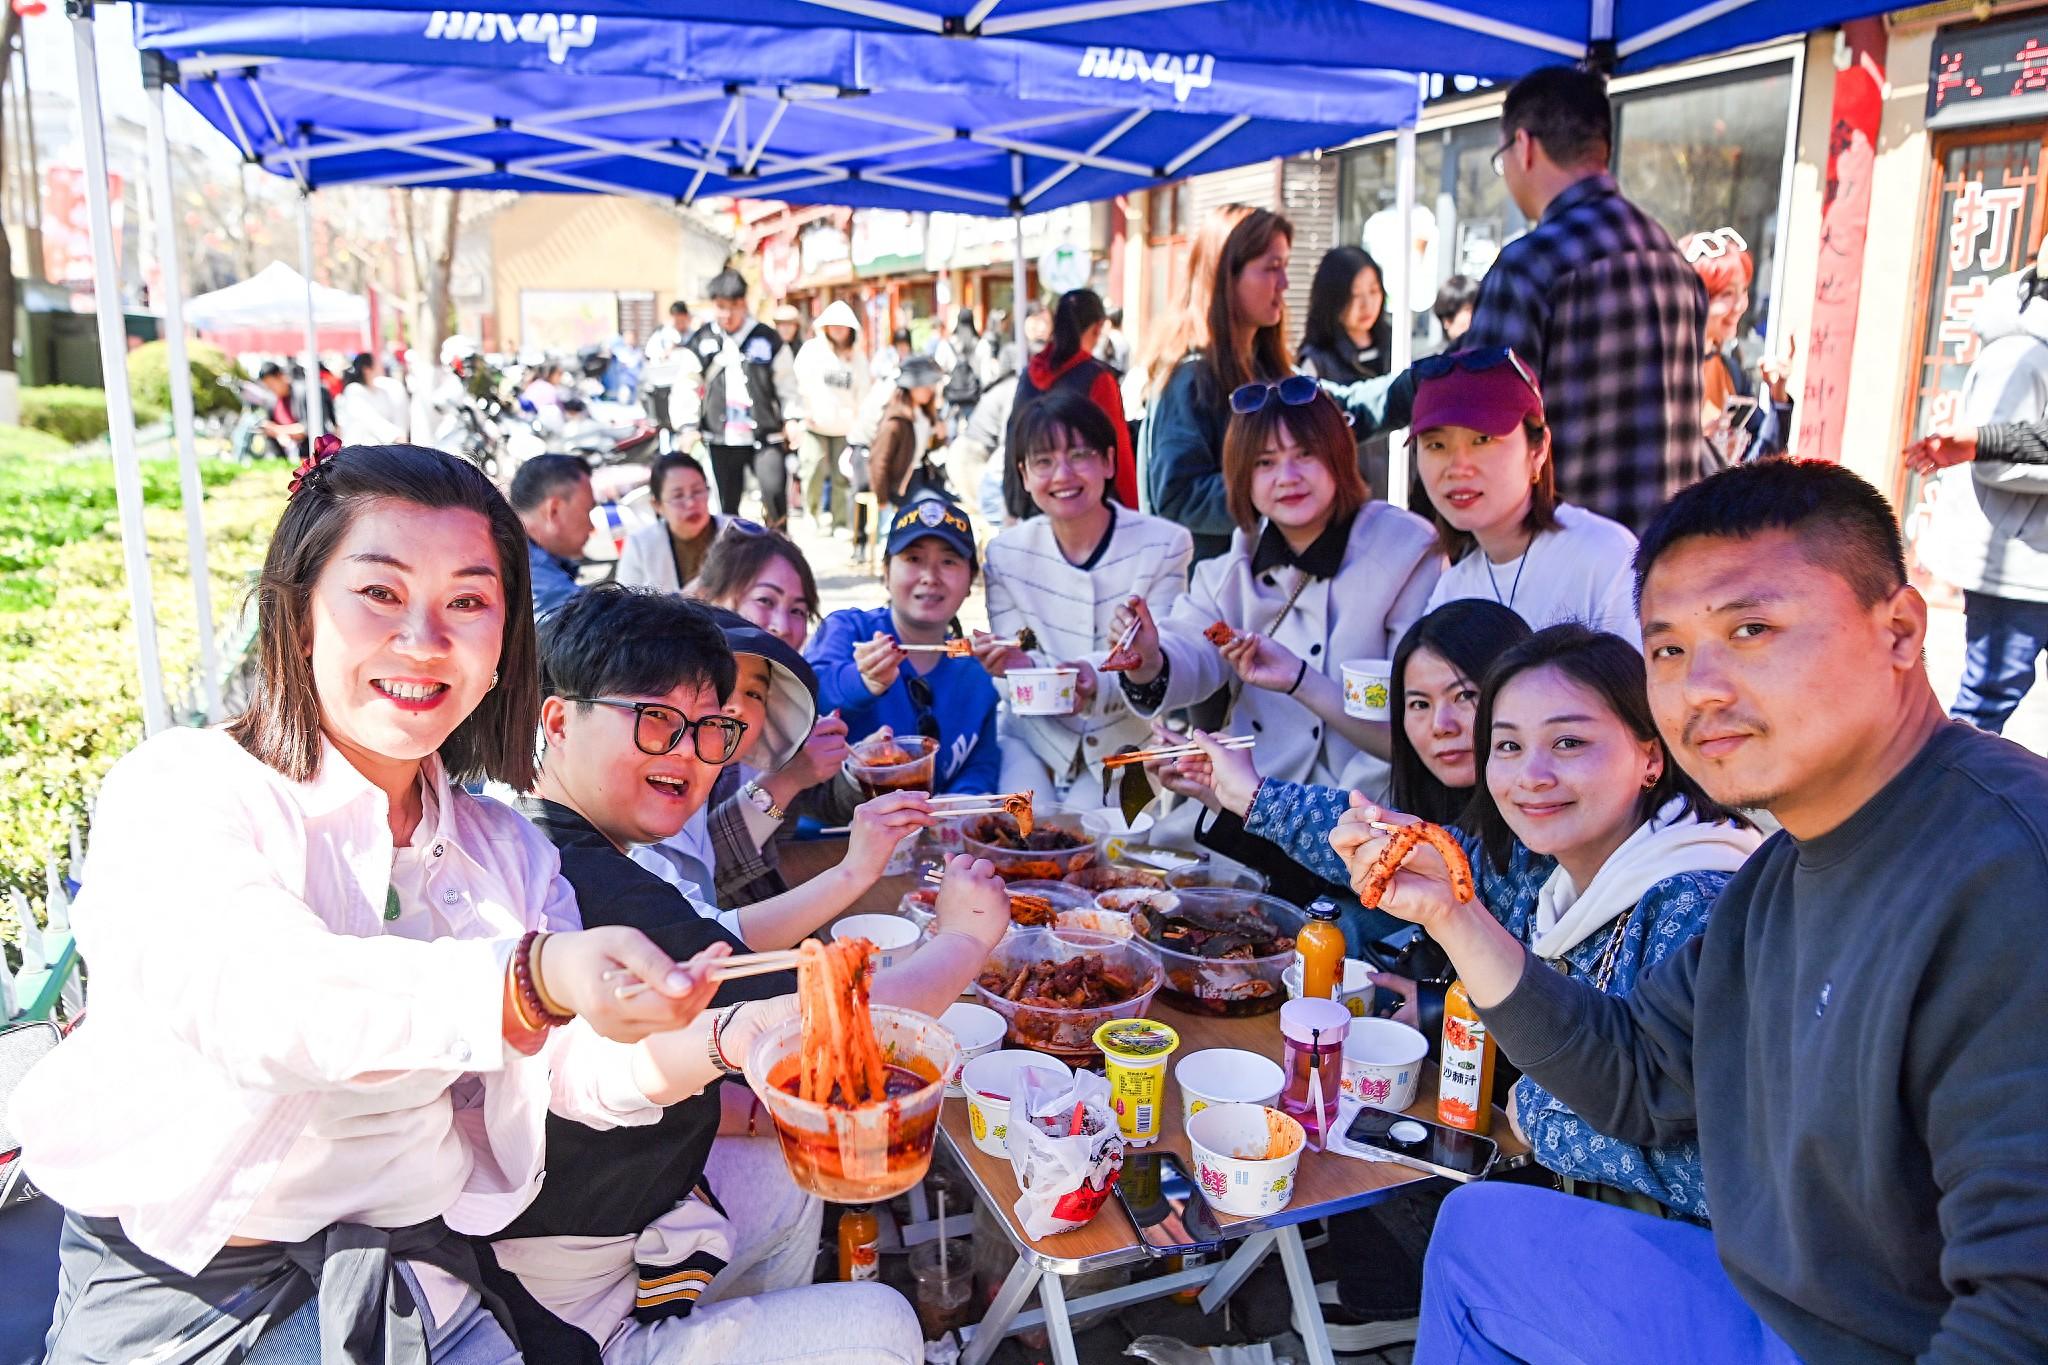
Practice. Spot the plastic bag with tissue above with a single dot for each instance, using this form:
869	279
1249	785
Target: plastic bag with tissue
1067	1154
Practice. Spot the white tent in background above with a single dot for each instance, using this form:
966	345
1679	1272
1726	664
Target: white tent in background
267	313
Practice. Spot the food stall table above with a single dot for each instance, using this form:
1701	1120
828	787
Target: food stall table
1325	1184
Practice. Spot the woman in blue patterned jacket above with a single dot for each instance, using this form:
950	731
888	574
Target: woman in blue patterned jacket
1587	842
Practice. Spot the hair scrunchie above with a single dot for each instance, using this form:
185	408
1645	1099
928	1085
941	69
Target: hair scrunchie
325	448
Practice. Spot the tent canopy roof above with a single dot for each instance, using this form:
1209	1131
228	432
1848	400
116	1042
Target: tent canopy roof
674	111
274	297
1494	38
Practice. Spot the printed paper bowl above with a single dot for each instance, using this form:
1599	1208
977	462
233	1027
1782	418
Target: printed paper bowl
1383	1063
874	1152
991	1083
1042	691
1354	995
1230	1144
978	1030
892	935
1226	1075
1368	688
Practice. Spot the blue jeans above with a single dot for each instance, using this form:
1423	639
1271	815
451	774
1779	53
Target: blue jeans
1516	1273
2005	637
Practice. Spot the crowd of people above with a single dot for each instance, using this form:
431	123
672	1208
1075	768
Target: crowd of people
1665	690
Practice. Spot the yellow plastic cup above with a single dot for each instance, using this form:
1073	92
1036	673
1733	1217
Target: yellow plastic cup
1134	1053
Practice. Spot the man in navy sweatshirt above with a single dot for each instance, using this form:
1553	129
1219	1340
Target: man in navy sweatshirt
1855	1040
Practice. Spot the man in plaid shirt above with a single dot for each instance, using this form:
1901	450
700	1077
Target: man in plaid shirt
1600	303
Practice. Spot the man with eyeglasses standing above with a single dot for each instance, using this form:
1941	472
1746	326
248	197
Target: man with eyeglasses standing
1599	301
553	498
889	668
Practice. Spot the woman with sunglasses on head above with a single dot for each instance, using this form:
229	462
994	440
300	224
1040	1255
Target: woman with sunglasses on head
1482	453
1734	422
671	552
1316	574
1062	574
686	1240
875	684
334	994
1243	338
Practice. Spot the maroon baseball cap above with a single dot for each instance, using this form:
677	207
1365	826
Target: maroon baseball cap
1488	390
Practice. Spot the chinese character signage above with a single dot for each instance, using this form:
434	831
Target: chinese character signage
1988	73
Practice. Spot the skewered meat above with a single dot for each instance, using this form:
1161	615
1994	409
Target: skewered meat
1405	841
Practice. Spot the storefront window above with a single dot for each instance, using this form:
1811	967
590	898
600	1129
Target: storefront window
1711	154
1697	154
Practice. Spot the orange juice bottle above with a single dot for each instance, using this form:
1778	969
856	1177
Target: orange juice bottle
860	1235
1464	1092
1319	947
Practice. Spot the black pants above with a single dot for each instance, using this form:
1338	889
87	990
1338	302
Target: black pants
770	466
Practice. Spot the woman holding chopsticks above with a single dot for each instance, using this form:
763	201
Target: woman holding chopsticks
1315	568
335	996
1062	576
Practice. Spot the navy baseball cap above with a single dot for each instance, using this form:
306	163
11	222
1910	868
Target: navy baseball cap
937	518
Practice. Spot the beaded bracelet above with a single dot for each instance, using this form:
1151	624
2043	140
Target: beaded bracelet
528	995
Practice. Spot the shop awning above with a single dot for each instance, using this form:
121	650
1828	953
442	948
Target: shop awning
676	111
1495	38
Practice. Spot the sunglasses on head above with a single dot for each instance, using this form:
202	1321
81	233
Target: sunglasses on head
1297	390
1475	361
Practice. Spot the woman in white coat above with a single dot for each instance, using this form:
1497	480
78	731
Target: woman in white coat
670	552
1315	568
1063	574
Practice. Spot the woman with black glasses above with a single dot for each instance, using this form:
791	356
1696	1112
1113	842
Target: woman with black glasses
867	675
1317	576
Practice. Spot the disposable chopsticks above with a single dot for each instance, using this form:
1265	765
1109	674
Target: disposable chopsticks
725	969
1177	751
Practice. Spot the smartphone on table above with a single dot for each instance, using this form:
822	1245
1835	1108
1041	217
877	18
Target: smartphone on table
1433	1147
1166	1206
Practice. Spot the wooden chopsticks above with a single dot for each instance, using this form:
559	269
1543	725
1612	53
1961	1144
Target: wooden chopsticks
726	969
1177	751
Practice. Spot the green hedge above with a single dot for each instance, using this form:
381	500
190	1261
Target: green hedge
149	377
73	414
69	700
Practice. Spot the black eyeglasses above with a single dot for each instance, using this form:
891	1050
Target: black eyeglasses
921	697
1475	361
657	729
1500	153
1295	391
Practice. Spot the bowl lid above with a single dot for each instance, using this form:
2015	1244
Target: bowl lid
1301	1020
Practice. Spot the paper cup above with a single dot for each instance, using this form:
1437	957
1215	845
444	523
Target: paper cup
991	1083
1383	1063
979	1031
1042	691
1114	831
1229	1142
1355	994
892	935
1226	1075
1134	1053
1368	688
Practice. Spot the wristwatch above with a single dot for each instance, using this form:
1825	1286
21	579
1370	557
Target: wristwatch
757	796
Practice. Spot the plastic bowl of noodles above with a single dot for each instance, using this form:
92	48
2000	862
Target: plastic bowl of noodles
874	1151
1224	952
1056	987
1056	846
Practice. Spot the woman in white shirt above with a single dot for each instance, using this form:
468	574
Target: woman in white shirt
1483	454
832	379
1063	575
329	1013
372	408
671	551
1316	576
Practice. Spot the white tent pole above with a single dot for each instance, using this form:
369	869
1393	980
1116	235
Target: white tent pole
173	285
106	289
1017	300
1398	299
314	393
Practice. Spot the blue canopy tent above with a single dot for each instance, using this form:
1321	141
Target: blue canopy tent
1496	38
653	107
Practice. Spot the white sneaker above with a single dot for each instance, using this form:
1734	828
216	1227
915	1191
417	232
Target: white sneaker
1350	1338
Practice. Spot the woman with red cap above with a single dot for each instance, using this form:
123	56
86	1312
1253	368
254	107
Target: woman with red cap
1482	454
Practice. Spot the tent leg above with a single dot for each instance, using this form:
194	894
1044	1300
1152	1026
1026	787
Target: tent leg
181	398
114	366
1397	300
314	393
1018	303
